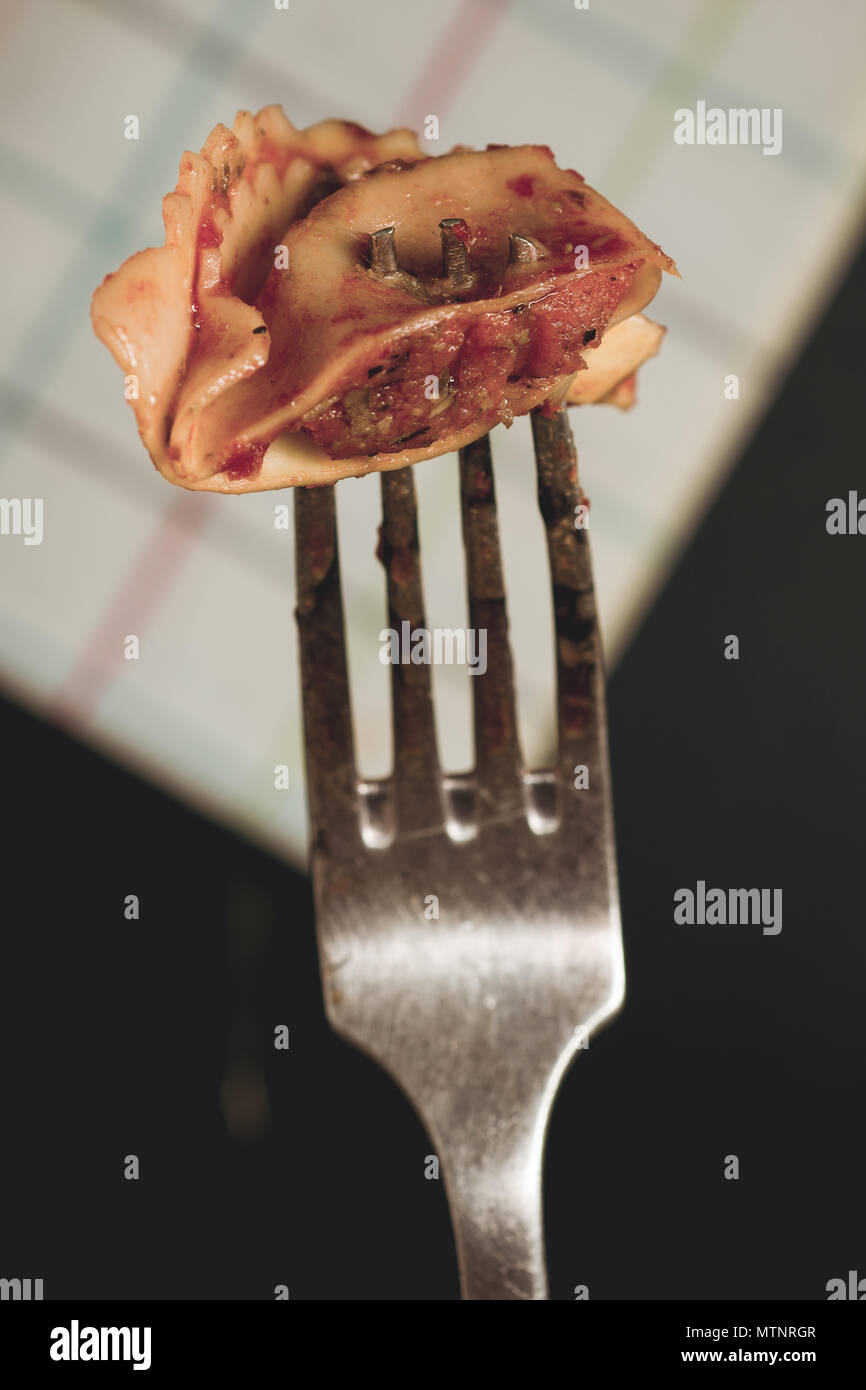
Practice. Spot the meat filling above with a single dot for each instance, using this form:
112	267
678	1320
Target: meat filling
480	367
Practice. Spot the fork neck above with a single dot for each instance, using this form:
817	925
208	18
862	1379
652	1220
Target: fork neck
496	1208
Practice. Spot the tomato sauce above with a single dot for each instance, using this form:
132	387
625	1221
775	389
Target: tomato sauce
441	381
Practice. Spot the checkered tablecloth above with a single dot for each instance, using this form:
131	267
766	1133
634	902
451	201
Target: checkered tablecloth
205	582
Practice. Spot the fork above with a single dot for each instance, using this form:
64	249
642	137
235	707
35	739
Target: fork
475	1013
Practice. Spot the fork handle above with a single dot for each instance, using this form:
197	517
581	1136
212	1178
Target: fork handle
496	1210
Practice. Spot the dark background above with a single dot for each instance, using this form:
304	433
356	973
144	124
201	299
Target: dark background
117	1035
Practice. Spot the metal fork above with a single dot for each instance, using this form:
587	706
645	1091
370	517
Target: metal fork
478	1012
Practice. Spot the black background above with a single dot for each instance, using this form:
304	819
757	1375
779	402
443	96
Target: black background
117	1035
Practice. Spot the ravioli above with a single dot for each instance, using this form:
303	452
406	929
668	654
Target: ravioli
367	306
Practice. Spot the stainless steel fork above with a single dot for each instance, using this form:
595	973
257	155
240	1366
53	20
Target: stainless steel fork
475	1012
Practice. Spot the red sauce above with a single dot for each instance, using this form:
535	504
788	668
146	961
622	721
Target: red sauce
208	235
349	314
244	461
483	364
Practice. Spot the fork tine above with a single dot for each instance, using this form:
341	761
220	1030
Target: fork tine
578	651
416	777
497	749
330	758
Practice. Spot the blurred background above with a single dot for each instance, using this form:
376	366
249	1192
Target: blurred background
156	777
206	582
